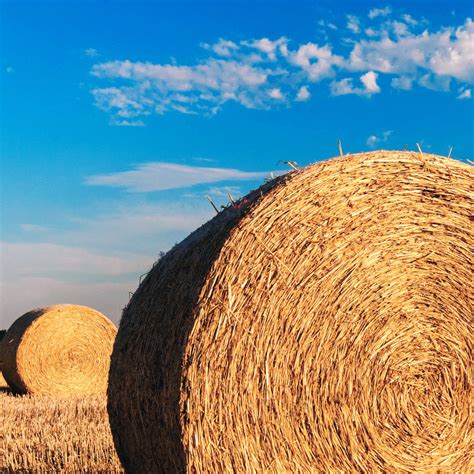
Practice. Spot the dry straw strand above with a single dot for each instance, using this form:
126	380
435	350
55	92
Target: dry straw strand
60	349
357	359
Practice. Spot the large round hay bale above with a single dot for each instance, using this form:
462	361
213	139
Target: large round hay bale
322	326
62	349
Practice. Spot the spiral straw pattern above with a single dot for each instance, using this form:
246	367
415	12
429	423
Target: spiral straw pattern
61	350
325	326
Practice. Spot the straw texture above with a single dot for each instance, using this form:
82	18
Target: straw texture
323	326
61	349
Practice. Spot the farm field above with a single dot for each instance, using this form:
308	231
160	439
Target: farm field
45	434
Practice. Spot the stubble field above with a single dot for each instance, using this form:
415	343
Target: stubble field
50	434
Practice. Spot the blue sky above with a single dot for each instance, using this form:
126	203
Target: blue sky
118	118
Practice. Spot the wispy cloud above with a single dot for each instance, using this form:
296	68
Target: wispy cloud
263	73
375	12
132	228
353	23
38	259
326	24
223	191
375	140
91	52
160	176
9	70
402	82
128	123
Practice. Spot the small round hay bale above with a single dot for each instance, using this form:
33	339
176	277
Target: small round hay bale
2	380
62	349
321	326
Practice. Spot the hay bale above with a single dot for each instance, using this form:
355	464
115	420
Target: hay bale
3	382
62	349
322	327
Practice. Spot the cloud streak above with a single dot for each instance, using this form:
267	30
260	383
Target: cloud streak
158	176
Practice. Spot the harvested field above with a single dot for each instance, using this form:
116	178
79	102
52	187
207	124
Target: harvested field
47	434
323	324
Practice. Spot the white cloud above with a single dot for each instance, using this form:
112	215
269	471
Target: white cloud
369	80
91	52
276	94
258	73
373	141
160	88
447	52
126	101
375	12
346	86
160	176
9	70
303	94
464	94
353	23
454	55
318	62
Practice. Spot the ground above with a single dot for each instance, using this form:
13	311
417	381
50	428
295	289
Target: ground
45	434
